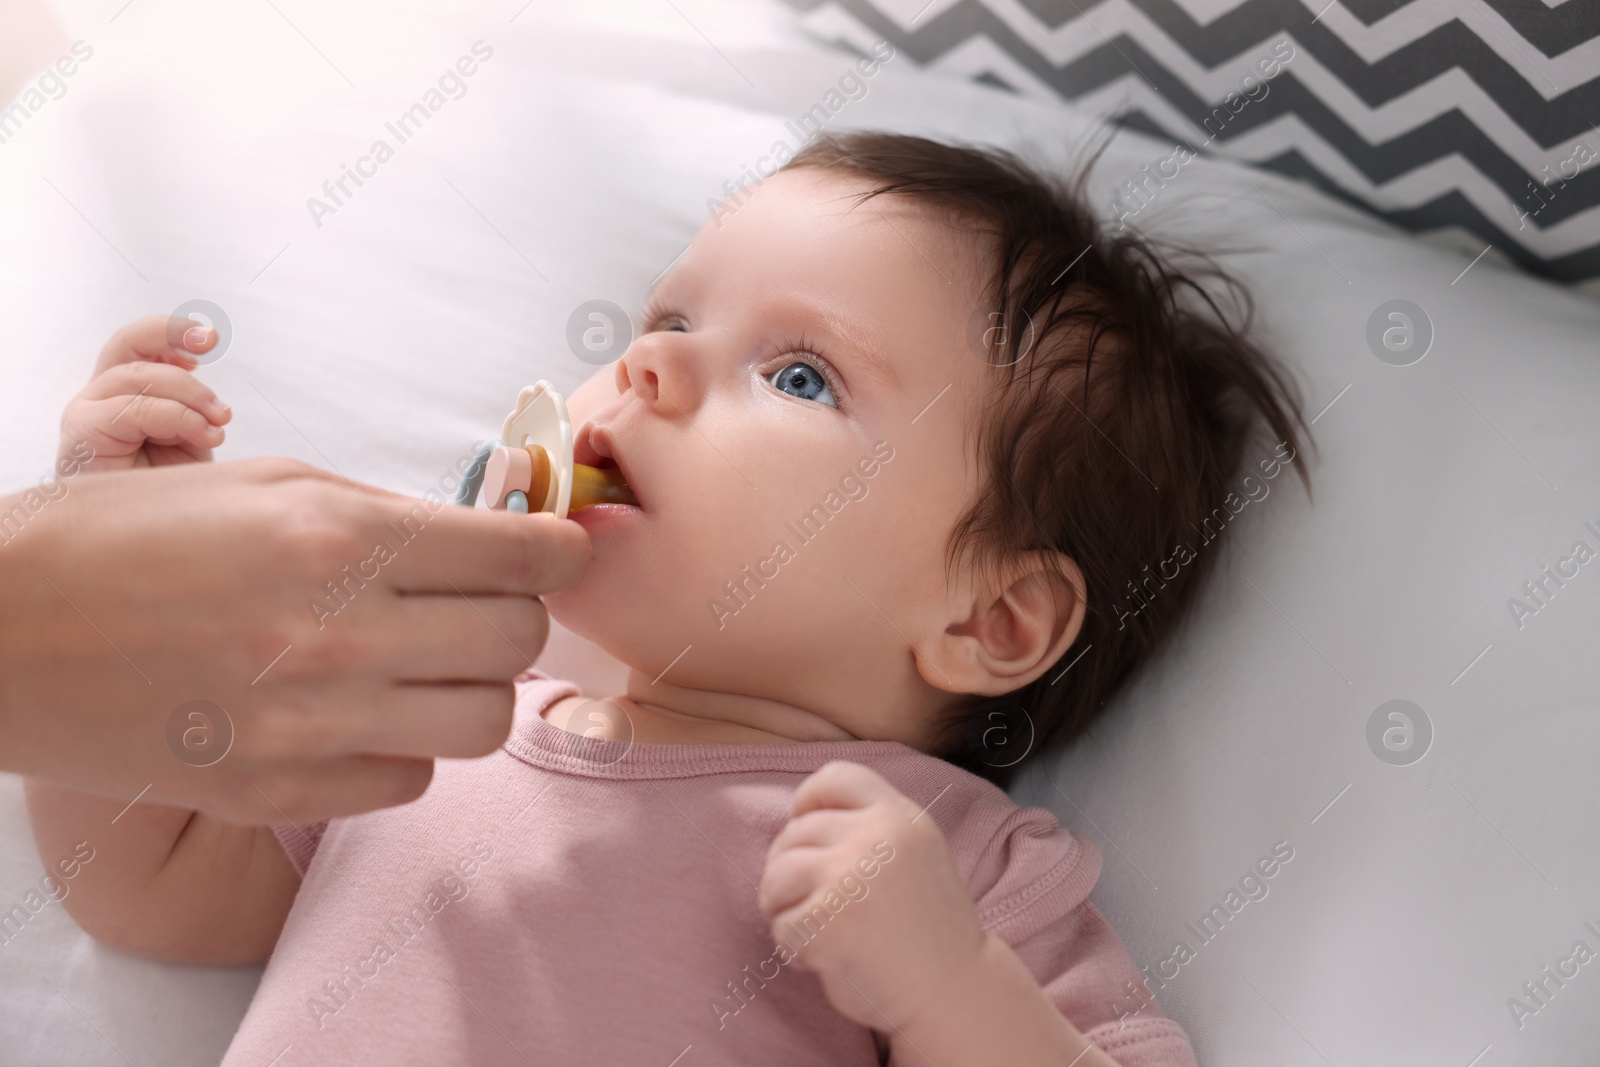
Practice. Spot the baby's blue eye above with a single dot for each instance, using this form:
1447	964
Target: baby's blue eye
806	382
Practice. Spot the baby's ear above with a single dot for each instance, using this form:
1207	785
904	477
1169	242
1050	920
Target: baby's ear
1008	627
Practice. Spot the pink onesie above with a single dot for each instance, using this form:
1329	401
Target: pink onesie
573	901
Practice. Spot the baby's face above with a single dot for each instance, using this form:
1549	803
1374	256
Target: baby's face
795	420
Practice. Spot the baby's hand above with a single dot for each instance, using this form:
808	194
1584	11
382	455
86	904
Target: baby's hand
143	408
864	881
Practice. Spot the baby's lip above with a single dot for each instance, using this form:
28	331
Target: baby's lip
590	447
595	447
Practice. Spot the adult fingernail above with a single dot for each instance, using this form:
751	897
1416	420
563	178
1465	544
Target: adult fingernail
197	337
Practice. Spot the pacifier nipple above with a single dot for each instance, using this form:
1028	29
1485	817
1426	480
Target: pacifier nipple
599	485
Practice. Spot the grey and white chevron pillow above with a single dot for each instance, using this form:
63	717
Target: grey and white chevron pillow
1470	119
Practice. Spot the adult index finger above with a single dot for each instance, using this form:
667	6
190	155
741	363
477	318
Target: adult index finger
480	552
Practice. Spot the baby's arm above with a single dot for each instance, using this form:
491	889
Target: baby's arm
165	882
155	880
917	964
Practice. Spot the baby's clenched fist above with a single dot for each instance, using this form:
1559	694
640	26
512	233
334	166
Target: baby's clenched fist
861	886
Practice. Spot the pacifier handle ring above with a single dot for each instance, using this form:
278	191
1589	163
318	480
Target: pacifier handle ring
472	480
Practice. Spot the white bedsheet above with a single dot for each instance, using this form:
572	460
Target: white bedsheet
576	166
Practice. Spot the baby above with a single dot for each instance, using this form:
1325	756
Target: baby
908	430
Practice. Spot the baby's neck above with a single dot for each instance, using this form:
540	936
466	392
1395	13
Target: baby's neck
657	713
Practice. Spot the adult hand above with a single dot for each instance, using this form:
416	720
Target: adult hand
347	634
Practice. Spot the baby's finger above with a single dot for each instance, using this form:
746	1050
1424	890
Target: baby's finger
120	425
788	880
158	380
839	784
159	338
820	828
798	926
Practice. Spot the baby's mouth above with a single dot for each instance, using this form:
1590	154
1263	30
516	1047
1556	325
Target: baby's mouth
600	475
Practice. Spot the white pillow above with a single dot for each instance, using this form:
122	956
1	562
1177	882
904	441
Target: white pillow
576	166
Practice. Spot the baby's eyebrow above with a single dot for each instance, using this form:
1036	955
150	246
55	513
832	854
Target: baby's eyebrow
860	343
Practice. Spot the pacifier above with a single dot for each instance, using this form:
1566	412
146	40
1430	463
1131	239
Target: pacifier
531	469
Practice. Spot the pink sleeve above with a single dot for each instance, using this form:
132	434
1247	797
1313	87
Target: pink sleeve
1031	883
300	842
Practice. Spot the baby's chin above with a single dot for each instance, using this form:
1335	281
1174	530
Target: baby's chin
603	622
575	611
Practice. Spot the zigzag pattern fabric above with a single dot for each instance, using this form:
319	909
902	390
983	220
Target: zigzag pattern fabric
1450	117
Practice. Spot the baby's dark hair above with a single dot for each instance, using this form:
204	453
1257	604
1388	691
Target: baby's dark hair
1127	398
